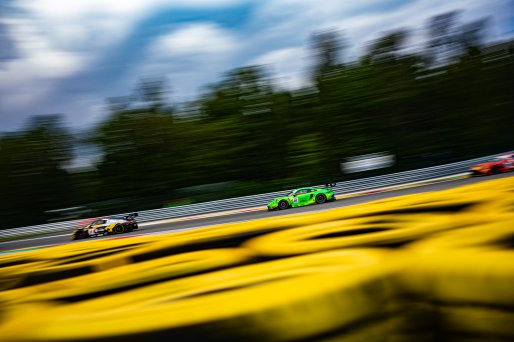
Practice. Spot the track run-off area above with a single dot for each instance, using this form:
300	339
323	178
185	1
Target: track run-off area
428	263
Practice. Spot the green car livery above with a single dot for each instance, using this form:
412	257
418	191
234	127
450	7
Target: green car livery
302	196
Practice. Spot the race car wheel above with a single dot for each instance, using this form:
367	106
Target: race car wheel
283	205
320	199
118	229
495	170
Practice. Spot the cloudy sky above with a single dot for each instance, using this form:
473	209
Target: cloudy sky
67	57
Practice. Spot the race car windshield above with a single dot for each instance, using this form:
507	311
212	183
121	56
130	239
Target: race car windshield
291	193
98	222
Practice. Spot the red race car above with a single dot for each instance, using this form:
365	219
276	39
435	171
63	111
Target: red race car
503	163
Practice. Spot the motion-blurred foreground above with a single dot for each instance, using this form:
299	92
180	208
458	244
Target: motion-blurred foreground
445	95
426	267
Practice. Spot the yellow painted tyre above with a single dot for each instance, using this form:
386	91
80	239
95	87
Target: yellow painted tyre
485	322
385	329
386	230
441	202
65	261
287	299
128	276
471	265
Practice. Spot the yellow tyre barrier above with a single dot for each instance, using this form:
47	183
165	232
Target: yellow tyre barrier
480	276
467	265
61	262
52	270
388	230
469	272
443	202
487	323
493	185
128	276
286	299
503	204
392	328
496	196
474	231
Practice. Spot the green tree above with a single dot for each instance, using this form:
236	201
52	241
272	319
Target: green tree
306	157
32	177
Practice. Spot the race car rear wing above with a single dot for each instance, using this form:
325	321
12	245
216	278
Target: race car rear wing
131	216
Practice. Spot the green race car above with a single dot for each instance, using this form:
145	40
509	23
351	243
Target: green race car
302	196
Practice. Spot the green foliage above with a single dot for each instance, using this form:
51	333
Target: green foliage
450	101
31	177
140	148
306	156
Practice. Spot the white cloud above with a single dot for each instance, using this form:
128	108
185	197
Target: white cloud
363	21
97	23
193	39
38	56
191	56
57	39
288	64
293	22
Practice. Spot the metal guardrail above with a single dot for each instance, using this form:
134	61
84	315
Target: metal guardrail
346	187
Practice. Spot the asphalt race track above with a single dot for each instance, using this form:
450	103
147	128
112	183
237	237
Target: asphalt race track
60	238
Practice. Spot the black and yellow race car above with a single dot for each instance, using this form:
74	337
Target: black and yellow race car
107	226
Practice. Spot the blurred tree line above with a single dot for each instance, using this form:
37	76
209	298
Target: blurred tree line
450	100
